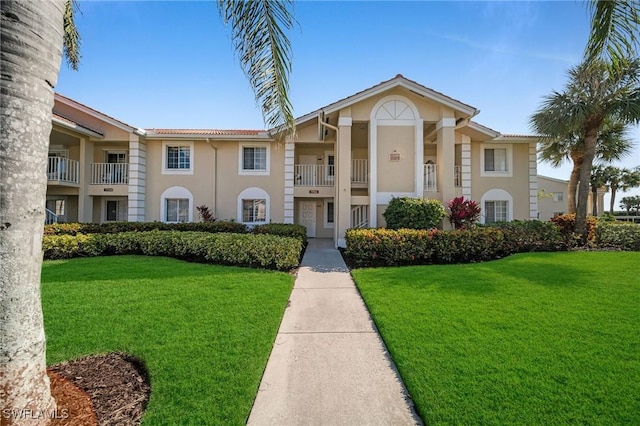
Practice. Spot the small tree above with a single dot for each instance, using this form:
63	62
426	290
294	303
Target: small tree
463	213
413	213
631	204
205	213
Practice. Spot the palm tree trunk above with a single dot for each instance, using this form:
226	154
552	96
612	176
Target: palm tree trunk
31	46
594	201
612	201
590	141
574	178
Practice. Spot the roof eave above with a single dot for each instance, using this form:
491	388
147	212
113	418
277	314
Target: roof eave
94	113
77	128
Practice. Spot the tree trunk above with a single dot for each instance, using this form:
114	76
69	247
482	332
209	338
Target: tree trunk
31	44
612	201
590	142
574	178
594	201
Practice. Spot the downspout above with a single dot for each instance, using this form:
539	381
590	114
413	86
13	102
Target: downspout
215	177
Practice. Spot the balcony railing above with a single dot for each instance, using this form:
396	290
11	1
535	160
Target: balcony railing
50	217
457	179
360	216
430	177
359	171
109	174
312	175
63	170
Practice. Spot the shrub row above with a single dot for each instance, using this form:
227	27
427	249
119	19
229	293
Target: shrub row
285	230
385	247
262	251
567	225
617	235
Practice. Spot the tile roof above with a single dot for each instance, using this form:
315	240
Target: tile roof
74	124
210	132
509	135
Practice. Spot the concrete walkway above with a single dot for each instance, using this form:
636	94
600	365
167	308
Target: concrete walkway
329	365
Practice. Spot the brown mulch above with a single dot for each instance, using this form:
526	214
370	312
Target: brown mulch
109	389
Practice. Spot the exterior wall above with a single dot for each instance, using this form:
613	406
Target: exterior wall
547	206
396	176
517	185
221	196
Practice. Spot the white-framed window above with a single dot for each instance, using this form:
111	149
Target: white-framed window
57	206
176	210
496	160
329	213
558	196
496	211
253	206
115	210
176	205
115	157
254	159
177	158
497	206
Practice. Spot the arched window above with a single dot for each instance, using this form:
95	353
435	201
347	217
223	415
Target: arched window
176	205
253	207
497	206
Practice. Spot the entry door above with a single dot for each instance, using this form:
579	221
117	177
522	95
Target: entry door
308	217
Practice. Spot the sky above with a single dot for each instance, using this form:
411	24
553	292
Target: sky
171	64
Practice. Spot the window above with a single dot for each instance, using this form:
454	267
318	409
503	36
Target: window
177	158
254	211
331	165
496	211
329	213
176	205
558	196
254	159
496	160
56	206
177	210
115	210
253	206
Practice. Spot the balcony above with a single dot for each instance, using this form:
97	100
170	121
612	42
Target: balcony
63	171
324	175
430	178
109	174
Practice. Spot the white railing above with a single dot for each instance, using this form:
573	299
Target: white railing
430	177
312	175
359	171
61	169
457	177
50	217
360	216
109	174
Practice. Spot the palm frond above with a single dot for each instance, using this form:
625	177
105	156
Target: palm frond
614	30
257	32
71	38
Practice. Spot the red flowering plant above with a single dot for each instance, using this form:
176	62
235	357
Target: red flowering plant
463	213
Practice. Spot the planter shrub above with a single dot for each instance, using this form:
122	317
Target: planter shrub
283	230
117	227
261	251
413	213
530	235
617	235
567	225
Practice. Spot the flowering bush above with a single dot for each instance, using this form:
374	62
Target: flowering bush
463	213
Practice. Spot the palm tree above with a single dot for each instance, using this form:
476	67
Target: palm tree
598	180
623	179
594	93
614	30
613	144
32	38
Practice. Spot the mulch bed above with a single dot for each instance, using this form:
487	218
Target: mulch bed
109	389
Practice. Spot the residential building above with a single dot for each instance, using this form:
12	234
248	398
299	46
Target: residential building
552	198
341	169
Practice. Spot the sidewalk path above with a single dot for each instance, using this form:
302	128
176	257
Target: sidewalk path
329	365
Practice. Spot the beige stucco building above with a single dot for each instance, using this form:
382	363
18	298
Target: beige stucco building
341	169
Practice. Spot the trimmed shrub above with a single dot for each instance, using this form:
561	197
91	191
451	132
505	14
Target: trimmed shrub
283	230
117	227
530	235
617	235
413	213
567	225
261	251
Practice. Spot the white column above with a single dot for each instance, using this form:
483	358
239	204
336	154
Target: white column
137	178
419	150
289	152
85	201
343	178
445	129
533	182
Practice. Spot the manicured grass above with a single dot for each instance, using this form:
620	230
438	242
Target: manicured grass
541	338
204	332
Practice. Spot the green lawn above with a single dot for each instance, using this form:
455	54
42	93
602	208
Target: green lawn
204	332
543	338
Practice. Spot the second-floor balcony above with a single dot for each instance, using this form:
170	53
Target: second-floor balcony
109	174
431	177
324	175
63	171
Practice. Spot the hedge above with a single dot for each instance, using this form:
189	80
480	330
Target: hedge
414	213
386	247
117	227
617	235
567	225
261	251
283	230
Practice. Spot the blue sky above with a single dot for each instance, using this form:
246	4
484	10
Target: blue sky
171	64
